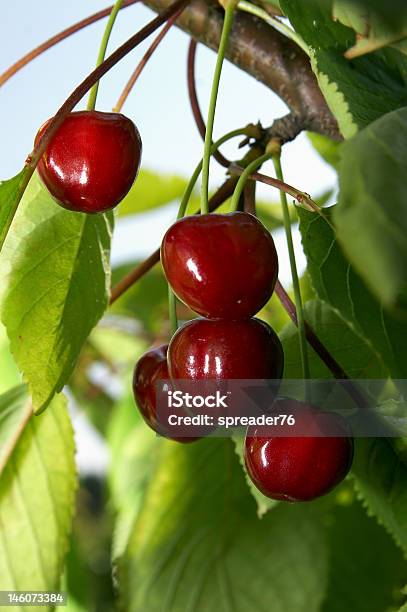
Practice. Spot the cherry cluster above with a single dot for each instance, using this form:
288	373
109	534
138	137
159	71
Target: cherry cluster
225	267
222	266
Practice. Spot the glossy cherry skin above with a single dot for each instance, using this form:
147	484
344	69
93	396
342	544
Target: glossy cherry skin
299	468
150	369
92	160
221	266
219	350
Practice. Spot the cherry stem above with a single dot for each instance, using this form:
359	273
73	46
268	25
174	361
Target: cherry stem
193	98
54	40
227	26
77	95
102	51
172	300
172	310
143	62
220	196
214	147
245	175
336	369
294	272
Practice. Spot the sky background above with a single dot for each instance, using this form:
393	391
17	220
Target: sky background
159	106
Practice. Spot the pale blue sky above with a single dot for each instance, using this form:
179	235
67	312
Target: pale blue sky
159	103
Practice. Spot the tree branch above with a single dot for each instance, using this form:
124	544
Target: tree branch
265	54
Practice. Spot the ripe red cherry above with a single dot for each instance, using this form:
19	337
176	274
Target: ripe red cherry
150	369
299	468
221	266
219	350
92	160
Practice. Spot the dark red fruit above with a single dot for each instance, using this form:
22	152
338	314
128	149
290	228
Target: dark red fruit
219	350
92	160
221	266
149	371
304	464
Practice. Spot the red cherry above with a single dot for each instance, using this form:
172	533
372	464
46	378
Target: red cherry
219	350
92	160
221	266
149	371
299	468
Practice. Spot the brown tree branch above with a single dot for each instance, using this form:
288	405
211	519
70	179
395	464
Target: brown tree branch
264	53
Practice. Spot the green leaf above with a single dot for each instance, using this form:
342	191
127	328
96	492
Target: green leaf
55	281
152	190
198	545
336	282
357	92
14	411
374	32
381	482
351	350
37	490
360	547
129	477
10	376
371	217
9	198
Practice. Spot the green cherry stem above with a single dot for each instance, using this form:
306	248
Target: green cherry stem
172	310
102	51
294	272
172	300
244	177
214	147
227	26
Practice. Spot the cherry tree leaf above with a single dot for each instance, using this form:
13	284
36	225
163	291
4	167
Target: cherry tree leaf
357	92
55	283
336	282
373	32
350	349
9	198
197	543
37	491
370	553
381	482
371	216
